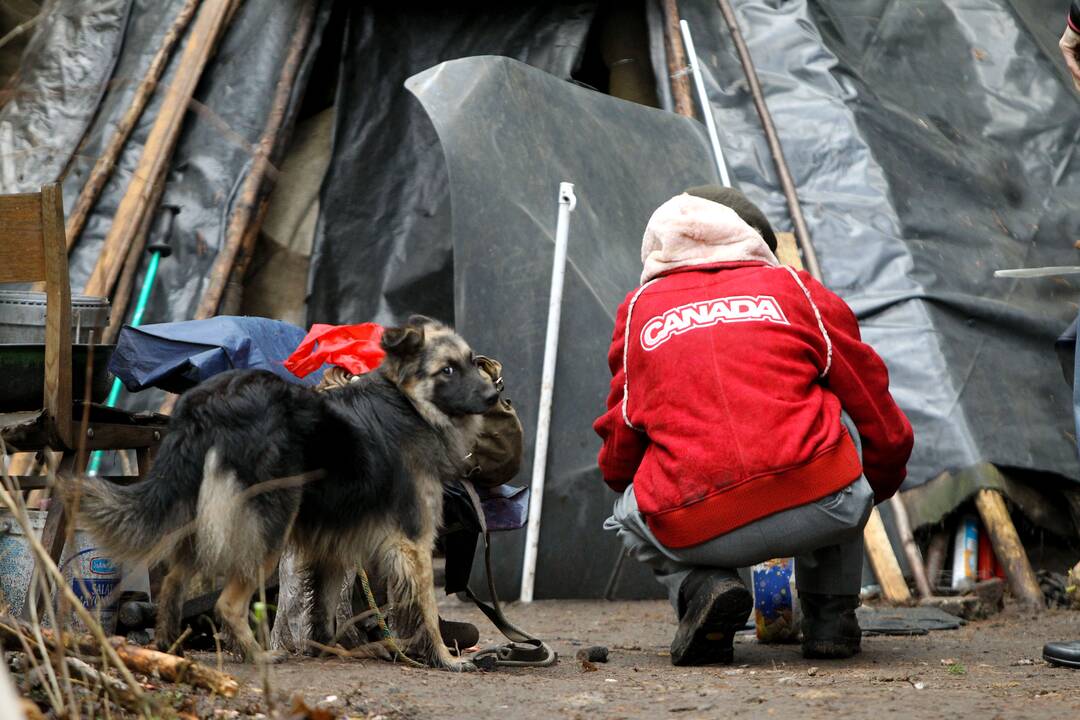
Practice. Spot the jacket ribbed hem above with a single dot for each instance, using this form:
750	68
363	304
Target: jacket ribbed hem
828	472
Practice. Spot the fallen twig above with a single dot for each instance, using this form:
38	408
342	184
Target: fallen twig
179	641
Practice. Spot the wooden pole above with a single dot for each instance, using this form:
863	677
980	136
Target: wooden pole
676	61
261	166
233	298
105	164
1009	550
775	149
154	161
122	294
883	561
911	549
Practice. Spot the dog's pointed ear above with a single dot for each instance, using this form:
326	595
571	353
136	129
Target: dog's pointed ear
421	321
403	341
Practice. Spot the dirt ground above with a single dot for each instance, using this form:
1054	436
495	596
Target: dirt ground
989	669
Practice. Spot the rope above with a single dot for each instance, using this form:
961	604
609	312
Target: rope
388	637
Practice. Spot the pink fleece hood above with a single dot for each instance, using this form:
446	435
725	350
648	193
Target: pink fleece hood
688	230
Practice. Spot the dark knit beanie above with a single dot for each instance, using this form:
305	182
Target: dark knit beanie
748	211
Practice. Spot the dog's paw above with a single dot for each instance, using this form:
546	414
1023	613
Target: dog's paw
461	666
271	657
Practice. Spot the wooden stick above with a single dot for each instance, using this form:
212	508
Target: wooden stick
175	669
246	205
105	164
911	549
122	294
883	561
154	161
676	61
775	149
233	297
935	556
1007	546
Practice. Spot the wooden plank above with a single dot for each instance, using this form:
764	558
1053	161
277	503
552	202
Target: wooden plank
57	316
787	250
154	161
677	64
1009	549
883	561
119	436
22	258
103	167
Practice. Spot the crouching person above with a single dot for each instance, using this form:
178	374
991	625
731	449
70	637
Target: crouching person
740	394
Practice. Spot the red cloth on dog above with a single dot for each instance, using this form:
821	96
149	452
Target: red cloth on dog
354	347
725	406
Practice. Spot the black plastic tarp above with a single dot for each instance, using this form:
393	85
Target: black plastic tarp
382	248
510	134
932	143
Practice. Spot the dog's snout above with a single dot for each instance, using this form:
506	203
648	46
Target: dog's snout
491	397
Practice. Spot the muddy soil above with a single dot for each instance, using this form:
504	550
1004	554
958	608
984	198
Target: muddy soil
989	669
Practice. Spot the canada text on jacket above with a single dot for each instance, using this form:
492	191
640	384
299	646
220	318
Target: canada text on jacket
706	313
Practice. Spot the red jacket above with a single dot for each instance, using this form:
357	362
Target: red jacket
728	381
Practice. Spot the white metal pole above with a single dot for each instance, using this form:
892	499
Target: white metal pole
703	99
567	202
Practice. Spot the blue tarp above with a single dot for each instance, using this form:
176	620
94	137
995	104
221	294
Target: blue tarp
179	355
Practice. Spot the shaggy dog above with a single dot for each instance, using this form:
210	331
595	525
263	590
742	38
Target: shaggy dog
252	463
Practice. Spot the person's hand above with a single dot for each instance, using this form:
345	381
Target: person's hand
1070	48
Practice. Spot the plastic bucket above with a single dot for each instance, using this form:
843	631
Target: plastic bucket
92	576
87	569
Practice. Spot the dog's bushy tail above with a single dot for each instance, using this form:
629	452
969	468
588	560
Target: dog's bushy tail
139	522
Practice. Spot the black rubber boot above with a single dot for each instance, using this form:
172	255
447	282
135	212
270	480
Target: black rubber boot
458	635
829	626
713	605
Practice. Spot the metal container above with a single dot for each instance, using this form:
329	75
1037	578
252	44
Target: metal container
777	615
22	317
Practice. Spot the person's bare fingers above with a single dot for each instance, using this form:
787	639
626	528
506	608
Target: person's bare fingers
1070	49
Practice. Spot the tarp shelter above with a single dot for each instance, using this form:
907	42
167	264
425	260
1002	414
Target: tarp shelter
931	144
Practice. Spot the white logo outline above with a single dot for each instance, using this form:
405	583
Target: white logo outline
709	313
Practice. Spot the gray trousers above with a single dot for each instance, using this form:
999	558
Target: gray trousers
824	537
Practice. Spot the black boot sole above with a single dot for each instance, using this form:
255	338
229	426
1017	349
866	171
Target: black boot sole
706	633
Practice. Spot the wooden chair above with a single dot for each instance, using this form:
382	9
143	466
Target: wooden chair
32	249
